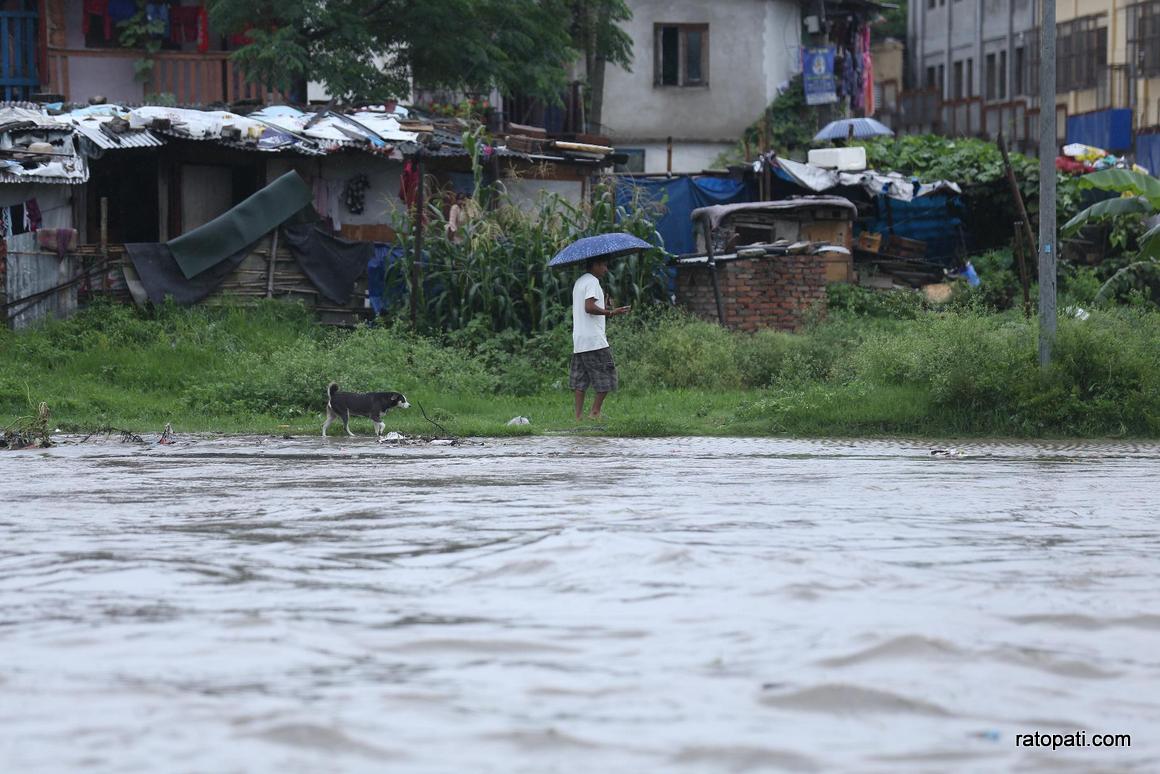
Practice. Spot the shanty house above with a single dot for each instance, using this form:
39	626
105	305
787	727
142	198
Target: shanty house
767	264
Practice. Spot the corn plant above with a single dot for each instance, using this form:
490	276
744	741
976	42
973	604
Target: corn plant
498	270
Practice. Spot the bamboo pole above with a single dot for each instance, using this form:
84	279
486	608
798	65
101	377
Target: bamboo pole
105	240
713	270
420	205
1028	237
271	261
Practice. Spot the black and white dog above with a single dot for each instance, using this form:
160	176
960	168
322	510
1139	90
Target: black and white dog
341	405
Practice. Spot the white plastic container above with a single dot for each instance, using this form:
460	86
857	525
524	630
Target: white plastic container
842	159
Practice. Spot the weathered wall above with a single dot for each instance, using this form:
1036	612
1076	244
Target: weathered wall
753	48
769	292
527	192
108	76
688	157
382	198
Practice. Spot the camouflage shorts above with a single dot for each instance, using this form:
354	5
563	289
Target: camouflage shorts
593	370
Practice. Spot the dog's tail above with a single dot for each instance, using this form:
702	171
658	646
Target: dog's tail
330	390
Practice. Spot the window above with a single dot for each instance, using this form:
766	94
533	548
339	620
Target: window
1081	53
634	161
942	79
1002	76
1019	84
957	93
990	87
970	77
1144	38
682	55
930	78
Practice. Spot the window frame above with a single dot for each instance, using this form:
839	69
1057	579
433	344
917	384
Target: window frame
683	30
1001	75
1081	53
990	76
1144	38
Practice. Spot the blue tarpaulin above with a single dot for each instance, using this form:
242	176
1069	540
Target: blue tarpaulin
1148	153
685	194
932	219
1110	130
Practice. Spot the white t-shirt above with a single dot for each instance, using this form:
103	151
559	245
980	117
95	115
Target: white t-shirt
587	329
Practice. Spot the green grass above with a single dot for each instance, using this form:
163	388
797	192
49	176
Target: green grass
921	373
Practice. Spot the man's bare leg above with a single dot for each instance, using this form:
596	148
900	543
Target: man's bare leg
579	404
596	404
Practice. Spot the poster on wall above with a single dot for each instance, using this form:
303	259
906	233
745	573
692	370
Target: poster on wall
818	75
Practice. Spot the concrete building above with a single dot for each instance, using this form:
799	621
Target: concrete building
974	68
81	55
702	72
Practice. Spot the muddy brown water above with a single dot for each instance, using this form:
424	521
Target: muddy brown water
577	604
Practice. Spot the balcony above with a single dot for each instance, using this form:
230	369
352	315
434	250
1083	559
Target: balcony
191	78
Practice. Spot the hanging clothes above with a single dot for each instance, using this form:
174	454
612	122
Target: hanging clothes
32	217
158	13
61	241
849	75
320	195
354	195
202	30
868	105
121	10
377	277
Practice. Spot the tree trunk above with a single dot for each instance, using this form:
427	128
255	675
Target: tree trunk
596	93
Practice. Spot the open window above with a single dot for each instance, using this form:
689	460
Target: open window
681	55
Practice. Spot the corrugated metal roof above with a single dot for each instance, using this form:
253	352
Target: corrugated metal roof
91	130
6	177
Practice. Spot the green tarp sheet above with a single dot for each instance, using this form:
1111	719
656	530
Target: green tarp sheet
235	230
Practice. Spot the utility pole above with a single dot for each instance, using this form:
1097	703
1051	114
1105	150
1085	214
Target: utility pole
1047	152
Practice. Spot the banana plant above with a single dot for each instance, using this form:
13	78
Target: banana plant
1140	195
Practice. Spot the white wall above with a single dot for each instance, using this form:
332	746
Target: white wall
89	76
688	157
753	49
526	192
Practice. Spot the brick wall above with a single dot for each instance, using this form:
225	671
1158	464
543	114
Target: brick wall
766	292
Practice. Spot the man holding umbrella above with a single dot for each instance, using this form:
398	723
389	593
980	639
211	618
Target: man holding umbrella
592	364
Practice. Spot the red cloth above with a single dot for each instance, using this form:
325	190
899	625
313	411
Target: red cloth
409	185
1071	166
184	23
202	30
97	8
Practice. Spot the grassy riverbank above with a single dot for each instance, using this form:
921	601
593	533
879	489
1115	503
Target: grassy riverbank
914	372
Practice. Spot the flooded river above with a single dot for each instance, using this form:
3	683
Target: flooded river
577	605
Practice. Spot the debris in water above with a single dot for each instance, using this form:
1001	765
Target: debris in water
168	436
26	432
952	452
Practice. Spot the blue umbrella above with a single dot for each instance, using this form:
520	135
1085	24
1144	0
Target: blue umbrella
863	127
600	246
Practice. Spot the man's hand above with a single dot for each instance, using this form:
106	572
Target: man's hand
620	310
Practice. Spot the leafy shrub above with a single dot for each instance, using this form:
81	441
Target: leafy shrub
864	302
